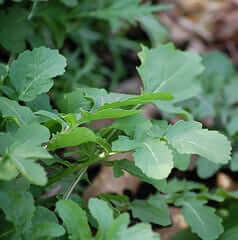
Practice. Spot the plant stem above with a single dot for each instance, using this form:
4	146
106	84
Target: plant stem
74	184
33	10
72	170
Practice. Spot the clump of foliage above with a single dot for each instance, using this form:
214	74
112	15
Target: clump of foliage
42	127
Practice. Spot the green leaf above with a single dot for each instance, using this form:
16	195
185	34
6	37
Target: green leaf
230	234
218	69
181	161
26	149
44	225
17	203
46	116
74	102
165	69
154	158
3	71
22	150
75	219
70	3
41	102
230	91
158	129
234	162
154	210
157	32
11	109
99	97
205	168
31	72
124	144
7	170
72	137
106	113
130	10
231	126
118	226
202	219
130	167
175	185
103	214
15	29
185	234
119	230
140	231
141	99
190	138
128	125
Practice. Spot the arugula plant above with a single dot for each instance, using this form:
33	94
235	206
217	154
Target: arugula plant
47	111
83	31
33	132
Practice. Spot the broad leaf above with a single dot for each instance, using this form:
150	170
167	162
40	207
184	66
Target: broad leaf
205	168
234	162
218	69
118	226
154	158
15	29
201	218
31	72
72	137
154	210
74	102
230	234
17	203
119	230
157	32
41	102
75	219
103	214
44	225
176	185
124	144
181	161
140	231
128	125
25	148
165	69
11	109
190	138
130	167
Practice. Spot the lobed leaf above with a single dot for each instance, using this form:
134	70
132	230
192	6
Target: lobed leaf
190	138
75	219
202	219
31	73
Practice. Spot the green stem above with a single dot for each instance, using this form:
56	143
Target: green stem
32	13
74	184
72	170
